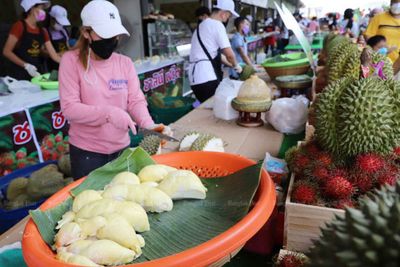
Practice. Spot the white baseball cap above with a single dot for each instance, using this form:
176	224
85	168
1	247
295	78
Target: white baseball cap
227	5
103	17
28	4
60	15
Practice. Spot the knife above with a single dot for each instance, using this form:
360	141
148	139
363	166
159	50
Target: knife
146	132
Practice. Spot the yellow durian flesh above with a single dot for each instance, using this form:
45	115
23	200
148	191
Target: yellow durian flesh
85	198
254	89
68	217
74	259
150	198
119	230
68	233
131	211
91	226
154	173
125	178
183	184
78	246
107	252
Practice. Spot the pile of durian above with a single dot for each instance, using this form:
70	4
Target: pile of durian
344	59
102	227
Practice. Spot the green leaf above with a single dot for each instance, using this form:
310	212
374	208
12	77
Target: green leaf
6	142
189	224
6	121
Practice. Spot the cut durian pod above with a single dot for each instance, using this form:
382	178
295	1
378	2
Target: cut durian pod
151	144
208	142
188	140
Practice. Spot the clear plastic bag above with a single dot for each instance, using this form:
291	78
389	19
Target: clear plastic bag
225	93
288	115
22	86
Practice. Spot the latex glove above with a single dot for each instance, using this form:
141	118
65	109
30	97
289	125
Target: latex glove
238	69
32	70
120	119
161	128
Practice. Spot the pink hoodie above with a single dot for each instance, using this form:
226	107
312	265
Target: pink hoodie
85	99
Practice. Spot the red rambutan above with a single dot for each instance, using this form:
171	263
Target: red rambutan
324	158
291	260
370	163
304	193
338	187
343	203
363	182
387	177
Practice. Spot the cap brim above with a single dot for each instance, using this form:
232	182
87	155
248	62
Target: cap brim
233	12
110	30
63	21
46	3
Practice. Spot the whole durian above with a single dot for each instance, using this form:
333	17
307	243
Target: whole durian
365	237
151	144
355	117
344	62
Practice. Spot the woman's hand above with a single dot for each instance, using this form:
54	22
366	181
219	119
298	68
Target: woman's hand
120	119
161	128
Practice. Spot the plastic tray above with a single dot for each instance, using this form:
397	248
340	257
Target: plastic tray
46	85
213	252
10	217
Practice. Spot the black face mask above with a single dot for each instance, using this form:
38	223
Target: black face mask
104	47
225	23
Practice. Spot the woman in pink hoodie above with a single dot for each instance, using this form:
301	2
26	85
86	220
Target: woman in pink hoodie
100	92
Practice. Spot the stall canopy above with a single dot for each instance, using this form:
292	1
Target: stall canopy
259	3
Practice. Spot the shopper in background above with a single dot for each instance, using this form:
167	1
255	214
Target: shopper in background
348	26
239	43
313	26
388	25
208	42
202	13
100	92
378	44
25	41
58	35
270	41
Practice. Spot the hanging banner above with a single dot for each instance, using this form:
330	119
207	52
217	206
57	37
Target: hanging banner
51	129
291	23
17	142
167	80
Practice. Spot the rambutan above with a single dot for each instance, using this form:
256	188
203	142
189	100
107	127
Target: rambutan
387	177
299	163
363	182
343	203
370	163
324	159
304	192
396	151
292	260
338	187
319	173
311	148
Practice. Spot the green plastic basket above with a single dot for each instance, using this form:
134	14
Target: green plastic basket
295	60
171	114
43	82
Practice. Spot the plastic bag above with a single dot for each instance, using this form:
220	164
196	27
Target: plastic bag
17	86
288	115
226	91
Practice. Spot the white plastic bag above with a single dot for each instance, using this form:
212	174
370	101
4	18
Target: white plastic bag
22	86
288	115
226	91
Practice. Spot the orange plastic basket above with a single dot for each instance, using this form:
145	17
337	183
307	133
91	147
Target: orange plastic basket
205	164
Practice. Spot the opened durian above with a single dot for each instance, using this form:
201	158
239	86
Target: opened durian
150	198
254	96
208	143
188	140
183	184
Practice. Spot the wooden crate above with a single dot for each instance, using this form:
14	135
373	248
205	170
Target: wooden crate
303	222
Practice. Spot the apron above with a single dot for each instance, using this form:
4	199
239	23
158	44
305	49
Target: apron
29	50
216	62
60	46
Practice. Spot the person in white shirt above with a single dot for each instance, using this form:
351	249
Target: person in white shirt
208	42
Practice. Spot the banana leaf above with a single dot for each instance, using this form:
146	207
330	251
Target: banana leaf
190	223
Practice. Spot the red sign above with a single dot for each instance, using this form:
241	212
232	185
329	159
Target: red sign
22	133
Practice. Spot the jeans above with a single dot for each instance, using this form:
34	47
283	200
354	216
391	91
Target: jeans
83	162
